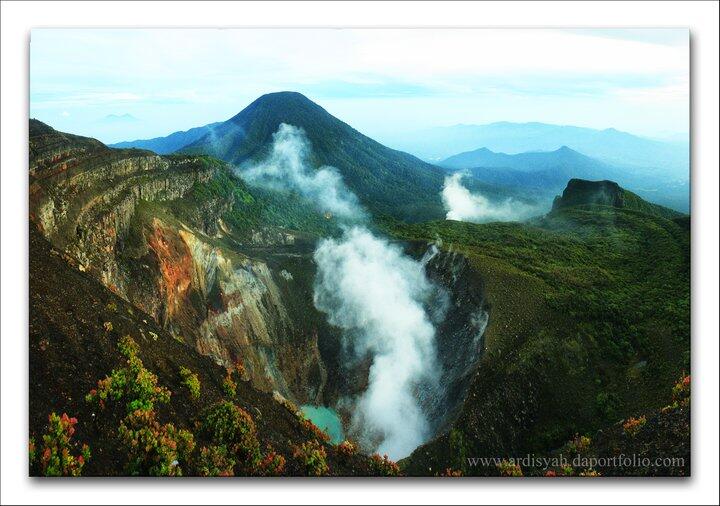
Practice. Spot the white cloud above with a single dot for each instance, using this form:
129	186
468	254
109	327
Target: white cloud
200	70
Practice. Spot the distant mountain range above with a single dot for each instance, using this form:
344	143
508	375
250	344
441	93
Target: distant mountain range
666	159
168	144
549	169
549	172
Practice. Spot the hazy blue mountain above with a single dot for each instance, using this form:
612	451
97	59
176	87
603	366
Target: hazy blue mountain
167	144
549	171
663	159
565	162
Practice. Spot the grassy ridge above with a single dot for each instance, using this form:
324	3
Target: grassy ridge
589	321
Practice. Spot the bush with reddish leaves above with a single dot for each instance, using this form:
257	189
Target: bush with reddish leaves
229	386
55	457
153	448
347	448
383	466
451	473
272	464
215	460
313	457
632	425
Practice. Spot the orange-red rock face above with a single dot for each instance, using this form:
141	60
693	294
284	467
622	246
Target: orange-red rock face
176	266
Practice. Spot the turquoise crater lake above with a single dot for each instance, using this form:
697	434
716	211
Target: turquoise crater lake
326	419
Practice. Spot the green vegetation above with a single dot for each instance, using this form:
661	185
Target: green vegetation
383	466
509	469
154	449
313	457
215	461
134	383
191	381
229	386
227	424
589	307
56	458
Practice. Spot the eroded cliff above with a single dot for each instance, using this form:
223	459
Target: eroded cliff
114	214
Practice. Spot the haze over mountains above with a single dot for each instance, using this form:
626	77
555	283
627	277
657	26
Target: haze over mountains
549	172
503	158
168	144
609	145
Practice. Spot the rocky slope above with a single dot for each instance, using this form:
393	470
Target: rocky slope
74	333
113	213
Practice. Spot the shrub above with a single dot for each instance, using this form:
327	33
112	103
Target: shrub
347	448
567	470
108	326
32	451
681	390
589	473
154	449
451	473
240	368
272	464
510	469
633	425
128	347
191	381
229	386
56	458
215	461
313	457
579	444
134	383
226	424
680	395
383	466
550	473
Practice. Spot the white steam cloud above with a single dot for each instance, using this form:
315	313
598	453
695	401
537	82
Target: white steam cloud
287	167
376	294
462	205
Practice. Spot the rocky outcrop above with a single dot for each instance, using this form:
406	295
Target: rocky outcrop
582	192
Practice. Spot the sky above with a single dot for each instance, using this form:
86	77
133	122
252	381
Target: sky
126	84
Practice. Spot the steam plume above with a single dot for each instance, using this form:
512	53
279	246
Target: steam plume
376	294
287	167
462	205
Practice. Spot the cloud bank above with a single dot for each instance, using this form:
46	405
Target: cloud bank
463	205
